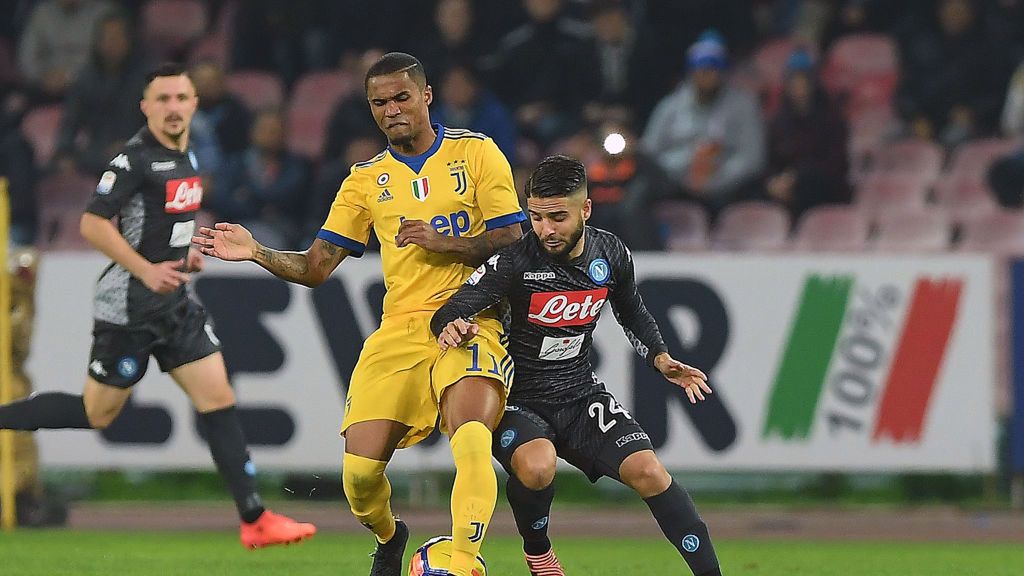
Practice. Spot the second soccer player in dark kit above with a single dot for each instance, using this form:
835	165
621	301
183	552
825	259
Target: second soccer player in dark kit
556	282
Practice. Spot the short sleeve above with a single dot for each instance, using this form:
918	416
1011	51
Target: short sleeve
495	190
349	221
117	185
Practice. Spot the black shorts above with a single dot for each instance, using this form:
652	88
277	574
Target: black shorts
595	433
120	354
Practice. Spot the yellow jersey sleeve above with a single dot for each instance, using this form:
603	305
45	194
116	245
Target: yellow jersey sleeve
496	191
349	221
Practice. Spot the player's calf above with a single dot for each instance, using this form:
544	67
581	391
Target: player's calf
685	529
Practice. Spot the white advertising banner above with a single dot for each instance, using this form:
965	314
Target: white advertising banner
849	363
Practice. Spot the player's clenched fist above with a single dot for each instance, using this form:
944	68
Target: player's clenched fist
226	241
421	234
456	332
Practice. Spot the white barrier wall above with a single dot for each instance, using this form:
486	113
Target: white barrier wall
818	363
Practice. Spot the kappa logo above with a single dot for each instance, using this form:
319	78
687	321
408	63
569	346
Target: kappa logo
385	196
121	161
538	275
163	166
96	367
622	441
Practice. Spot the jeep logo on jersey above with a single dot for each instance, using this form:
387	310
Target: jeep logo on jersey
183	195
420	188
566	308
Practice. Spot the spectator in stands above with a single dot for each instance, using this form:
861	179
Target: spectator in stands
454	39
286	37
624	185
807	157
464	103
349	120
628	62
101	110
954	73
328	181
264	187
678	23
16	164
558	56
56	44
227	115
706	135
1006	176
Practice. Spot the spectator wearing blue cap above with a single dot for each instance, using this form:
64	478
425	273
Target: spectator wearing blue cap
707	135
807	138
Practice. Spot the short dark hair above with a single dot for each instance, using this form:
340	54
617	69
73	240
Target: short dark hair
397	62
556	176
167	69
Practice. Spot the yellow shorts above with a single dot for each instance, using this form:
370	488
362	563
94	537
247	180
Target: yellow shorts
402	373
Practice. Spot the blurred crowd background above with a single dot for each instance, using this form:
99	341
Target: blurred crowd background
705	124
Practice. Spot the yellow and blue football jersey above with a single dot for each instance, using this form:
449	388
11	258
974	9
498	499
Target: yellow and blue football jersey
462	186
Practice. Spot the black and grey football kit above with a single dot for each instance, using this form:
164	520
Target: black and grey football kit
155	193
554	309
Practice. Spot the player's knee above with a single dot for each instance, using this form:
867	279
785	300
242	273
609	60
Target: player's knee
101	417
536	474
645	474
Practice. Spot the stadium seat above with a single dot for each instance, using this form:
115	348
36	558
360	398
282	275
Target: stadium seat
880	192
912	230
752	225
964	200
858	57
971	160
684	225
309	110
168	26
62	198
213	48
40	128
257	90
1000	231
832	228
870	127
910	156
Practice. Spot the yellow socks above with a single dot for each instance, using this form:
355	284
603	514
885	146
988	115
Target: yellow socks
369	494
473	496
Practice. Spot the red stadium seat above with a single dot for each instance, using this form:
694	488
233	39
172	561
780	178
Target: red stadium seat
1000	231
40	128
913	230
964	200
911	156
62	198
971	160
752	225
213	48
855	58
870	127
257	90
832	228
685	225
880	192
168	26
309	109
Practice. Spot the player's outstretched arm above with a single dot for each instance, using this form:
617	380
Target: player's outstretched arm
690	379
233	242
470	250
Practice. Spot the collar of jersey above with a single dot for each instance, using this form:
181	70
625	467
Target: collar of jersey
415	163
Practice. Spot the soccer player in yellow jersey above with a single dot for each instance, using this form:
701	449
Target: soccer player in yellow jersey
441	201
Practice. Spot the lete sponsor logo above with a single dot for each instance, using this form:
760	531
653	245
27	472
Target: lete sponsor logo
566	308
183	195
864	359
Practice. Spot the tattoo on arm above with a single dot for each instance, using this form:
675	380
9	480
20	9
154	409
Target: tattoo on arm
475	250
290	266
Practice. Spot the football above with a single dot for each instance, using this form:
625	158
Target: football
433	557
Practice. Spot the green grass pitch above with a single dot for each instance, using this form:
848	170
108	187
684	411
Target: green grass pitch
57	552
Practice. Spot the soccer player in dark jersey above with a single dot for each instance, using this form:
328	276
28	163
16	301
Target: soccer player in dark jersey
556	281
141	307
